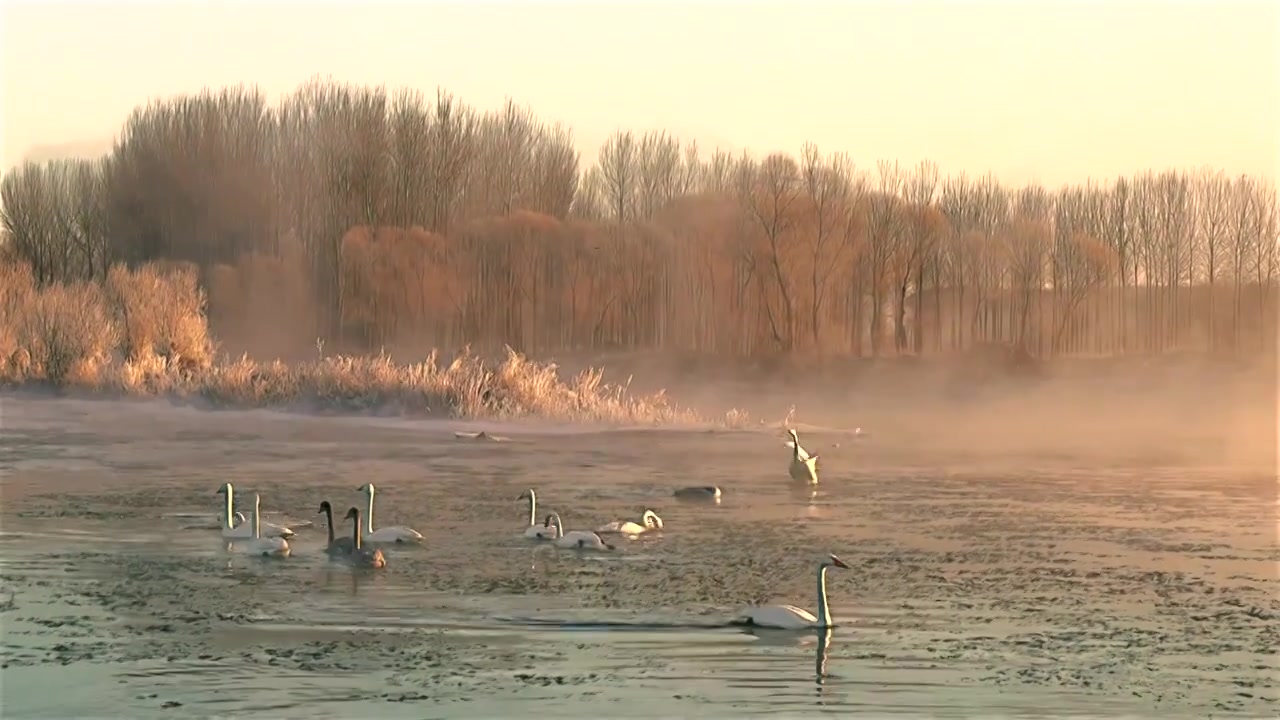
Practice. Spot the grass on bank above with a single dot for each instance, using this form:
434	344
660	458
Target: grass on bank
144	333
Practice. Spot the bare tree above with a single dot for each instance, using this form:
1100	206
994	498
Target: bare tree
659	173
771	202
886	222
1212	194
829	187
921	232
618	166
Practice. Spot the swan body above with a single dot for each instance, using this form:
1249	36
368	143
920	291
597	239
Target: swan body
803	466
264	546
337	547
362	556
397	534
648	521
535	531
708	492
245	530
790	617
577	539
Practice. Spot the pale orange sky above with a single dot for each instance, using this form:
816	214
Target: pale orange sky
1048	91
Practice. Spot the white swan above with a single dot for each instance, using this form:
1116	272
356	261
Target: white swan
803	466
398	534
244	530
790	617
362	556
265	546
536	531
648	521
577	539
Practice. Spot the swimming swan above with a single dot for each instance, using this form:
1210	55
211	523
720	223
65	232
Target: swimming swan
337	547
398	534
577	539
545	531
245	530
803	466
362	556
790	617
648	521
707	492
264	546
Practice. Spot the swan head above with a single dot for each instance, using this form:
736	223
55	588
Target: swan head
651	520
366	488
526	494
833	561
224	489
325	507
794	436
355	513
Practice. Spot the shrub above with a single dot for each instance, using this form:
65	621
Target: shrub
144	332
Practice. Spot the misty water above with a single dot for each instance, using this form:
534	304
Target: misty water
996	591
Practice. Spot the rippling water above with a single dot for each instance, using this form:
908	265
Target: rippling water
1014	592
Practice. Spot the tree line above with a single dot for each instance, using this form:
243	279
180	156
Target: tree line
393	216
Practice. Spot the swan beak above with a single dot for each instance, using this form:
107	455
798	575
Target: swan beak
839	563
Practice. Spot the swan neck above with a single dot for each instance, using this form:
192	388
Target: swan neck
368	515
229	521
355	531
328	519
257	517
824	612
533	508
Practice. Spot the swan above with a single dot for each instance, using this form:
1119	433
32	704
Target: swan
790	617
545	531
231	531
648	521
362	556
577	539
337	546
398	534
804	466
707	492
264	546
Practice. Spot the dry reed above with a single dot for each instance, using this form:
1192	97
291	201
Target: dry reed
144	333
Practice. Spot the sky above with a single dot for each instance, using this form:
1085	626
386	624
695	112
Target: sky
1032	91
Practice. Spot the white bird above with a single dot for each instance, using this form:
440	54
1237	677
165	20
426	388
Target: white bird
362	556
231	531
264	546
803	466
790	617
577	539
545	531
648	521
398	534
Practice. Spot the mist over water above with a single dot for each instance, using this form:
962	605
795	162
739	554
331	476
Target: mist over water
998	568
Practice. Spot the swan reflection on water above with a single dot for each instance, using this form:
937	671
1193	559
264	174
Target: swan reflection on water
821	639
